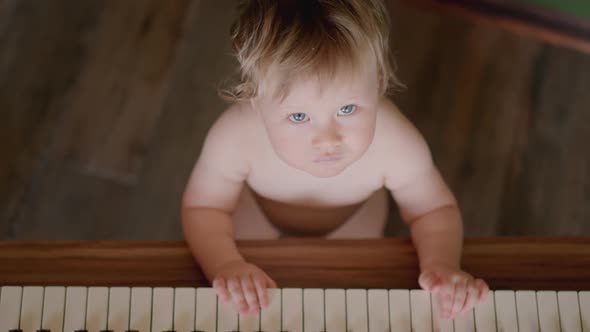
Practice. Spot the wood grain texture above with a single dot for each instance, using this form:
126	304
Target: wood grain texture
466	93
505	263
503	116
547	187
542	24
68	204
41	55
71	205
112	109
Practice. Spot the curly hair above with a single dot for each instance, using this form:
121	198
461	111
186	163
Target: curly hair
288	39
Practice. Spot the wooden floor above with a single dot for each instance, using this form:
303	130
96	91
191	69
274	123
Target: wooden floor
104	106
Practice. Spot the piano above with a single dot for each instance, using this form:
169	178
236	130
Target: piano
538	284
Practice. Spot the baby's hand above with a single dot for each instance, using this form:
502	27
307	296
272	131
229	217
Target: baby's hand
243	284
457	291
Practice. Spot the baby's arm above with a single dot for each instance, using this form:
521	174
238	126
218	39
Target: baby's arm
208	202
430	209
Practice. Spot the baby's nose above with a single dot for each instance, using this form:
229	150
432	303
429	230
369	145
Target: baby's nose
327	142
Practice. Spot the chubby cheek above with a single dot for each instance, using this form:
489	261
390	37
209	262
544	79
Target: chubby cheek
289	145
359	135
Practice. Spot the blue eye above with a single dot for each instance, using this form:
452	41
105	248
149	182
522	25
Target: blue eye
298	117
346	110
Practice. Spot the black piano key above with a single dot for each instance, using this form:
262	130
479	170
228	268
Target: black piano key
43	330
81	331
15	330
106	330
131	331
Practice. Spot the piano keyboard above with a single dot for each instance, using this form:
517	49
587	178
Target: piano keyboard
144	309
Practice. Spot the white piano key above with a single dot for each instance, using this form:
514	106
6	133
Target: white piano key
270	317
439	324
118	314
185	299
569	311
292	309
141	309
96	310
32	307
249	322
206	314
421	310
10	303
485	315
313	309
335	309
506	319
526	307
357	310
548	311
584	298
227	316
75	315
162	306
378	304
399	310
53	308
465	322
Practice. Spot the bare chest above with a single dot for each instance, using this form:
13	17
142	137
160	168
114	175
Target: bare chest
272	178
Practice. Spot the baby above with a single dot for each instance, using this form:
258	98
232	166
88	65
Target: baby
311	146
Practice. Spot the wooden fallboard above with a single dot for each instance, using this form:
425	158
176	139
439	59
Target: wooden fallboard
506	263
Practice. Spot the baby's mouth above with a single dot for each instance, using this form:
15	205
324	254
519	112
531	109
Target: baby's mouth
327	159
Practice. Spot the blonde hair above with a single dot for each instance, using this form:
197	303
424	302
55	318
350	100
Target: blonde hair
290	38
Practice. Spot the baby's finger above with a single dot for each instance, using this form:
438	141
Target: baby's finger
270	283
483	289
260	284
237	295
471	297
446	296
220	286
250	294
460	295
429	282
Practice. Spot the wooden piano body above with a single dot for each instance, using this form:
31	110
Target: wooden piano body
544	266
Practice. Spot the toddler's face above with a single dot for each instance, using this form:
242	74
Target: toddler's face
323	131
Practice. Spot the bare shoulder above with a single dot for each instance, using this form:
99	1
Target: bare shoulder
233	132
223	164
232	122
402	148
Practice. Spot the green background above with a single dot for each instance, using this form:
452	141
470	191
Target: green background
578	8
